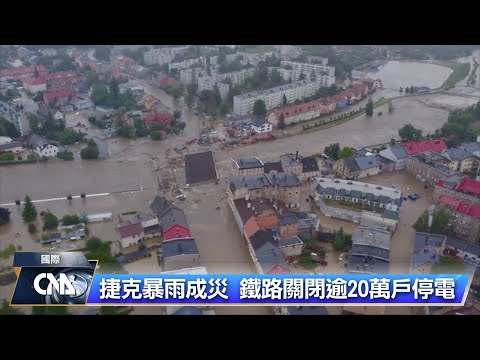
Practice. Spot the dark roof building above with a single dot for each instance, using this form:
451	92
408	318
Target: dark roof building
200	168
288	219
310	164
160	206
178	247
174	216
272	167
248	163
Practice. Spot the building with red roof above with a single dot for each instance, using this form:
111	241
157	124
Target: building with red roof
131	234
301	112
55	80
459	188
160	118
278	270
464	218
58	97
33	85
168	81
417	147
22	72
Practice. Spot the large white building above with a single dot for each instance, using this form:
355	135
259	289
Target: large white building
243	104
293	70
162	56
236	77
209	82
186	64
187	76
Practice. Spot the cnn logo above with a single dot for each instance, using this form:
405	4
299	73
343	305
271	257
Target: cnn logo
63	286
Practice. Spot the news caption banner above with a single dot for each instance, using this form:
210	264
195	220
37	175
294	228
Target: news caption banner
70	279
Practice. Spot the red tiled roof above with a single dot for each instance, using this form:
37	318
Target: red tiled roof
162	118
460	206
279	269
130	230
22	70
300	108
34	80
55	94
417	147
60	75
469	185
169	81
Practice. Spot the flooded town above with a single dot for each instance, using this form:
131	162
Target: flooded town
255	159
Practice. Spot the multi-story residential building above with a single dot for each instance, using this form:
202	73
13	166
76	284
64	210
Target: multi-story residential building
464	218
459	188
356	192
247	166
180	254
323	73
370	252
209	83
386	220
22	72
162	56
418	147
52	81
469	253
235	77
292	163
188	76
397	154
186	64
243	104
138	228
310	168
429	167
356	167
466	158
58	97
317	60
427	250
41	146
284	187
301	112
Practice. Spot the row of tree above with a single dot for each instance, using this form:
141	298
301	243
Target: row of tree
334	151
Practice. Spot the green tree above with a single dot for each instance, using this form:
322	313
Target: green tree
50	221
70	136
114	90
313	76
91	151
393	141
407	132
284	99
32	228
407	90
281	122
346	152
369	108
224	108
181	125
302	76
440	222
332	151
8	129
259	108
339	241
155	135
29	212
100	95
72	219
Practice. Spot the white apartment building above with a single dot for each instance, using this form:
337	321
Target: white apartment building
187	76
162	56
236	77
323	73
247	58
243	104
185	64
209	82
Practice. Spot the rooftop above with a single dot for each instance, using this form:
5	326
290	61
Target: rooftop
272	166
269	256
172	217
289	160
461	206
200	168
295	240
248	163
310	164
288	219
463	245
435	161
130	230
426	239
417	147
253	182
273	90
177	247
366	162
160	205
372	237
361	187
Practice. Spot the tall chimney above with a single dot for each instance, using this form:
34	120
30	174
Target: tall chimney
296	157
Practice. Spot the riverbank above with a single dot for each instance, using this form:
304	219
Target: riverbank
460	72
330	124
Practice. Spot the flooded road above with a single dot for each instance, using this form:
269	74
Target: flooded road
396	74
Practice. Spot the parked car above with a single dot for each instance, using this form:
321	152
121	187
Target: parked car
341	257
